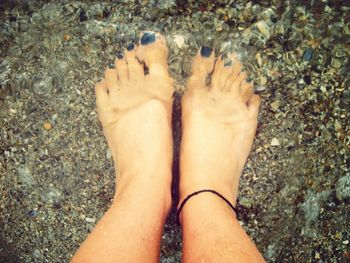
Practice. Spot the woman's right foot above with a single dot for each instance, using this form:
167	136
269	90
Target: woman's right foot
219	125
135	111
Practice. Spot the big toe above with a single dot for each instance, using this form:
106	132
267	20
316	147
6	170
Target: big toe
153	51
202	66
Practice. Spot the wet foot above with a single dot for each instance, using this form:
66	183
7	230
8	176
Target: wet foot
135	111
219	125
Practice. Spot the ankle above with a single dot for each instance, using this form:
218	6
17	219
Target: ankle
228	189
148	189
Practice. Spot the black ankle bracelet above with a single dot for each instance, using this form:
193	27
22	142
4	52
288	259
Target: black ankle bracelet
198	192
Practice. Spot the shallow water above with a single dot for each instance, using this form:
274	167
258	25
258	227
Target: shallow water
56	174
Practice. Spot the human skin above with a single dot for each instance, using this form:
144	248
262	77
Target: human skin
219	123
135	112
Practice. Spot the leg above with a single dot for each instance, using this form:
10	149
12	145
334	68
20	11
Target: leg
219	125
135	112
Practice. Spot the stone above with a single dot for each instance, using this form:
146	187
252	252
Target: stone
263	28
343	187
90	219
83	16
275	105
275	142
25	176
307	79
307	56
179	41
52	195
47	125
260	88
263	80
37	253
258	59
336	63
337	125
42	85
245	202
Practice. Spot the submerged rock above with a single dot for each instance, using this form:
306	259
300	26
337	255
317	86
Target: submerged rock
343	187
308	54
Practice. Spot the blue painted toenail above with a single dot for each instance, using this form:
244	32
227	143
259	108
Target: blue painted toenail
119	55
130	47
206	51
111	66
148	38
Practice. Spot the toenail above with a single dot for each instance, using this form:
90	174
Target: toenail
148	38
130	46
111	66
206	51
120	55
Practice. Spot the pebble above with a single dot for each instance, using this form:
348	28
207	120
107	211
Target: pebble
260	88
82	16
42	85
245	202
308	54
52	195
37	253
263	80
67	37
90	219
343	187
275	105
337	125
82	216
179	41
25	176
108	154
264	29
336	63
33	213
307	79
275	142
258	59
47	125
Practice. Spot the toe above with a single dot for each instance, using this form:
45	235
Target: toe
234	83
246	90
101	92
217	72
111	77
236	70
122	67
153	51
254	105
135	68
222	71
202	66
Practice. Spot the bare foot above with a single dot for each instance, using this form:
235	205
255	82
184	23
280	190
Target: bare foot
135	112
219	125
